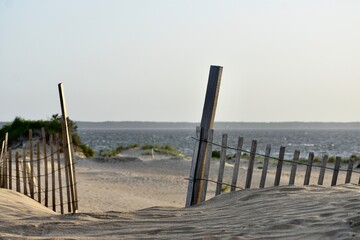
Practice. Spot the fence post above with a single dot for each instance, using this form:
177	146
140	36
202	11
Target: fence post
5	175
38	170
51	142
322	169
221	164
336	171
25	180
308	169
279	166
17	169
1	163
31	173
46	173
207	165
10	168
68	149
59	173
349	171
237	164
294	167
207	122
251	164
265	166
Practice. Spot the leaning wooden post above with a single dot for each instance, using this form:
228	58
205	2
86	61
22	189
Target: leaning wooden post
68	149
221	164
74	172
207	122
192	169
66	169
207	165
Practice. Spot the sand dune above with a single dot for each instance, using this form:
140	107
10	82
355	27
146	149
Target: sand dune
113	192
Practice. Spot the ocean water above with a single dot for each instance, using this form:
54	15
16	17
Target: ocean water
342	143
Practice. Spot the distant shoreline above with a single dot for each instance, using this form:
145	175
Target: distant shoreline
83	125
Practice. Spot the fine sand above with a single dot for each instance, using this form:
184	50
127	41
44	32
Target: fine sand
136	197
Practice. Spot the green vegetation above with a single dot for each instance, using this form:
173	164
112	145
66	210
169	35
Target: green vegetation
225	187
116	151
164	149
18	132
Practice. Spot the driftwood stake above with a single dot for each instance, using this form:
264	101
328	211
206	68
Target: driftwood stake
207	122
308	169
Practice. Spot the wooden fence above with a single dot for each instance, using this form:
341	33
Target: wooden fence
285	170
40	170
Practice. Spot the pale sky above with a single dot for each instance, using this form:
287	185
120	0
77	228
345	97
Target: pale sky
294	60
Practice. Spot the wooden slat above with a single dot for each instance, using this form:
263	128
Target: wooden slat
46	172
24	171
349	171
237	164
336	171
279	166
207	122
66	170
322	169
1	163
294	167
38	170
68	153
265	166
251	164
10	168
5	168
221	164
31	176
51	142
308	168
207	165
59	173
17	170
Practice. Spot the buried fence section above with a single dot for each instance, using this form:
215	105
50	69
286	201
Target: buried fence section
284	171
39	178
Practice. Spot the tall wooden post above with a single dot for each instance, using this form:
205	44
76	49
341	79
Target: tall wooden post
68	149
207	122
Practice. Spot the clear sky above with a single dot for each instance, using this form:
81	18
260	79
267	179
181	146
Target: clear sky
290	60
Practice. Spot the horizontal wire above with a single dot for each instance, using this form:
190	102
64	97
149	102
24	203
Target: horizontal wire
274	158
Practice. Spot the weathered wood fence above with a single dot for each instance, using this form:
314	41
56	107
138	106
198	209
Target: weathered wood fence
40	169
200	168
285	171
44	168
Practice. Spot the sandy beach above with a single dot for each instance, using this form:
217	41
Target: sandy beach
137	197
